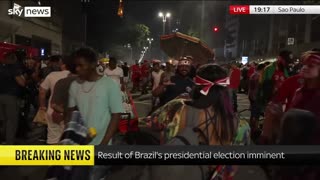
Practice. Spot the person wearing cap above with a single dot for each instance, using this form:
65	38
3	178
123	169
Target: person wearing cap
178	84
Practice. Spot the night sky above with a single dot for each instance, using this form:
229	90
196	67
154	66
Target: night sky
104	26
103	23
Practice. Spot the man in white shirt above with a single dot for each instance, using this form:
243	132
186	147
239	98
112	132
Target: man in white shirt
156	74
156	77
114	72
54	130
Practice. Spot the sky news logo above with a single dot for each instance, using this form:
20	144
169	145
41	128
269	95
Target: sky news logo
30	11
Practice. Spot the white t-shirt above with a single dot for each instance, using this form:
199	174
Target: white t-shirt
54	130
115	74
156	76
51	80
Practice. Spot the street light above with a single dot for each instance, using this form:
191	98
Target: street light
150	42
164	20
129	47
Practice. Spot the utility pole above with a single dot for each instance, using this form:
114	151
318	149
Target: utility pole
85	6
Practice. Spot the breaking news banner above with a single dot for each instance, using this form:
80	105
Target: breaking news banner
47	155
157	155
206	155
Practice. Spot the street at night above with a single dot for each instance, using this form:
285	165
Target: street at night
143	105
159	90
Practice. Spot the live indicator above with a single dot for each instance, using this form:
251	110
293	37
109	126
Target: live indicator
239	9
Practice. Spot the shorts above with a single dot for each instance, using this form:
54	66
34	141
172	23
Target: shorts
54	130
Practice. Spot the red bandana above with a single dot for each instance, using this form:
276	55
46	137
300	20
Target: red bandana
313	58
208	84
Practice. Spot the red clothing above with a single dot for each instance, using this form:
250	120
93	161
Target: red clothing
288	90
254	86
251	71
145	70
308	99
277	79
136	72
235	78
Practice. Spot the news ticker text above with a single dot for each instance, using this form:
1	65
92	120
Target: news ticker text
273	9
157	155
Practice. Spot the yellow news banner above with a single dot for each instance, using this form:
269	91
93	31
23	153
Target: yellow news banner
47	155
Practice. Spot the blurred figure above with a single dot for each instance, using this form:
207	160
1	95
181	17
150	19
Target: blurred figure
287	90
296	68
298	127
193	69
12	80
114	72
275	74
169	71
145	68
135	77
60	96
252	69
255	107
54	64
29	96
308	96
156	77
125	70
170	88
305	95
156	73
235	75
55	130
244	79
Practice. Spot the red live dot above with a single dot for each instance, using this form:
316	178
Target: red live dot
239	9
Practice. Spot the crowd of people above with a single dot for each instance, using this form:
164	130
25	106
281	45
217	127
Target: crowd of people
283	93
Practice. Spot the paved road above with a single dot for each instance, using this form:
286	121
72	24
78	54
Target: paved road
143	105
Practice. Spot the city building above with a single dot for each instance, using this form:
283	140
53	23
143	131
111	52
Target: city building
44	33
246	36
263	36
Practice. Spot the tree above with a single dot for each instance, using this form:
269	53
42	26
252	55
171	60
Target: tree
138	35
129	33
